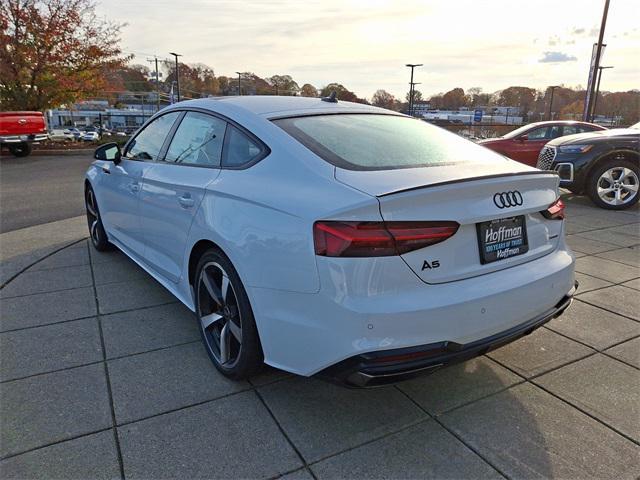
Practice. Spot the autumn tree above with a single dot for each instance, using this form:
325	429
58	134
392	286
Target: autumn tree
283	84
54	52
253	84
477	98
454	99
417	96
308	90
522	97
623	104
196	80
382	98
435	102
133	78
572	111
341	91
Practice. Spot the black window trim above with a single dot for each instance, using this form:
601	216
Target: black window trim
266	151
165	145
253	138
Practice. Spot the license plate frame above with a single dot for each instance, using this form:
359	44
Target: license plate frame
497	241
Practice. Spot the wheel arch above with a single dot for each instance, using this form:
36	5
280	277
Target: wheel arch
197	250
626	152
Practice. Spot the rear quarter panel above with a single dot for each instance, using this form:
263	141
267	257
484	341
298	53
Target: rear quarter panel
262	218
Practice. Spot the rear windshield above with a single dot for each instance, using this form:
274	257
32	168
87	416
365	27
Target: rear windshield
381	142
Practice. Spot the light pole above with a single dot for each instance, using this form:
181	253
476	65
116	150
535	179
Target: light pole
553	88
239	75
176	55
413	96
411	66
595	99
157	81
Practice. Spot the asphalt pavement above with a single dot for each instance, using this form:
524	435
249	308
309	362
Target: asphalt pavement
40	189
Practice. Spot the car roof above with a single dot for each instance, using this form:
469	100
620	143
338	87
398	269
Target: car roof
561	122
271	106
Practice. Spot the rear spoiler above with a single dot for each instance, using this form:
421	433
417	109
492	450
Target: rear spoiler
470	179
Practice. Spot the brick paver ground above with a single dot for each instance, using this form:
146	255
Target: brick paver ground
102	375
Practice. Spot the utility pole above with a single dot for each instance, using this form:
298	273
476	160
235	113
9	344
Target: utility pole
151	60
413	100
239	75
591	87
276	84
176	55
551	102
411	66
595	99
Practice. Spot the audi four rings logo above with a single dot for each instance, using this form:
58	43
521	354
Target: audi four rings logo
507	199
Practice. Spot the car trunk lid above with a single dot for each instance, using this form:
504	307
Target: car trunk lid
443	193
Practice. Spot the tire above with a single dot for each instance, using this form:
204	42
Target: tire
97	233
225	318
20	149
613	185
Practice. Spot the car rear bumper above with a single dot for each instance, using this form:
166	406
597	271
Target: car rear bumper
390	366
38	137
368	307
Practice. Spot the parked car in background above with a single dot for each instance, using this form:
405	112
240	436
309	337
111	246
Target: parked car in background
18	130
333	238
59	135
524	143
604	165
90	136
77	134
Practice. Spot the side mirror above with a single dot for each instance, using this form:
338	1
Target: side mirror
108	151
524	138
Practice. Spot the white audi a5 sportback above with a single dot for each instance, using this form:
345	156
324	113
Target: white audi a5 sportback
333	238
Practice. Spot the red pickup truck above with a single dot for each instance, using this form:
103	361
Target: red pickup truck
18	130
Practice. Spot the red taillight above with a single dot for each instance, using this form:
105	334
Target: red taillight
377	239
555	210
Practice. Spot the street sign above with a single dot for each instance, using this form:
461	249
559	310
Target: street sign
477	115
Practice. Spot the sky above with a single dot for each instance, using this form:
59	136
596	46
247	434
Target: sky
364	44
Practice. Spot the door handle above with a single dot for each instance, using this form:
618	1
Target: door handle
134	187
186	201
106	170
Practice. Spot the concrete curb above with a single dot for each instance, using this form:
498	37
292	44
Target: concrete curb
57	153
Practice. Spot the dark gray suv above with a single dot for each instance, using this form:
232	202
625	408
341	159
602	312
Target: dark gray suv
605	165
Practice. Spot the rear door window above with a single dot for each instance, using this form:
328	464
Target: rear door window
554	132
197	141
538	133
571	130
